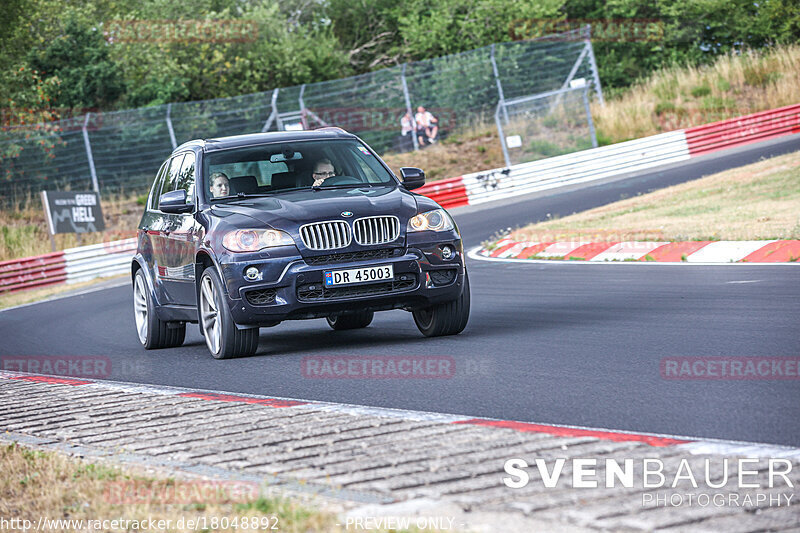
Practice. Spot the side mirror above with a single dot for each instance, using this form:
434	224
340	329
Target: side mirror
413	178
174	202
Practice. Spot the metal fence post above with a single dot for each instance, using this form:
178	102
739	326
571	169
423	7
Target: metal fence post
589	115
499	85
408	107
302	107
273	114
88	147
593	65
169	127
502	135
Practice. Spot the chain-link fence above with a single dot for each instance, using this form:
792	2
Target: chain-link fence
546	124
122	150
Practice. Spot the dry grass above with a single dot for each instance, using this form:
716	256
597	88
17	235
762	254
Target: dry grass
23	227
758	201
682	97
472	149
38	484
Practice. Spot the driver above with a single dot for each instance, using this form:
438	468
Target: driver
322	171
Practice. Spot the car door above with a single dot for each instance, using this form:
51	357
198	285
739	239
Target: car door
183	238
180	236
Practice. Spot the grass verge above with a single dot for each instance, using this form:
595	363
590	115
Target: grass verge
681	97
40	484
754	202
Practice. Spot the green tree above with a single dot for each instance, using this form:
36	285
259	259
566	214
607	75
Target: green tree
80	59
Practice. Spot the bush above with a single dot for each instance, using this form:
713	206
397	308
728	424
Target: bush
700	91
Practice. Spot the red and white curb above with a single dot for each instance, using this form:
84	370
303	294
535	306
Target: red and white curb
691	445
774	252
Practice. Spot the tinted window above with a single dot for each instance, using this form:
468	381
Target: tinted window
157	184
171	178
185	178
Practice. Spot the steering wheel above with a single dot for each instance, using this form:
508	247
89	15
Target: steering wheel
342	180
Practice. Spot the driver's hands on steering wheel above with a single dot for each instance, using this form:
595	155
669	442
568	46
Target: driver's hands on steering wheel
338	179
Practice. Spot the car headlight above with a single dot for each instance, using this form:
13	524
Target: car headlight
253	240
436	220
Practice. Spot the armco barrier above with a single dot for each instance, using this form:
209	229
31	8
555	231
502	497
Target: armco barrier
615	159
88	262
743	130
448	193
72	265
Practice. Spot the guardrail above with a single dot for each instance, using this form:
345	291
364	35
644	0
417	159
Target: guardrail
743	130
72	265
107	259
615	159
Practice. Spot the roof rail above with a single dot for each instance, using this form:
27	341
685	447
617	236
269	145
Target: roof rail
332	128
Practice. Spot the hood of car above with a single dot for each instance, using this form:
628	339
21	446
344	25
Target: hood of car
290	210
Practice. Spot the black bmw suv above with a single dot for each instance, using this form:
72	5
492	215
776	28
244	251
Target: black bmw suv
247	231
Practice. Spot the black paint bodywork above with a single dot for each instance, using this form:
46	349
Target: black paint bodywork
175	248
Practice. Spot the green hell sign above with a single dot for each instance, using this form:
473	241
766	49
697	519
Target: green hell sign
73	211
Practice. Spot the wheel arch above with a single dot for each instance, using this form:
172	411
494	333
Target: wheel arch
138	263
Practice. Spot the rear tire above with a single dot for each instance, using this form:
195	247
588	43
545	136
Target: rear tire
223	339
358	320
153	333
449	318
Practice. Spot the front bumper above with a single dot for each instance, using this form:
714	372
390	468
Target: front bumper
291	287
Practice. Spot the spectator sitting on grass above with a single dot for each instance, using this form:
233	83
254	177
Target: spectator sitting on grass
427	125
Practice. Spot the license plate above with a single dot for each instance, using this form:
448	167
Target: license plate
350	276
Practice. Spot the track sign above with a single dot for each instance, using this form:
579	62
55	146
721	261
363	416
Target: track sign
513	141
73	211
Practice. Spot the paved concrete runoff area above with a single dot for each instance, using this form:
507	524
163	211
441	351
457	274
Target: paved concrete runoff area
367	463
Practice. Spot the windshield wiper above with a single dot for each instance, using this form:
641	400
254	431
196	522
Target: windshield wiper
242	195
342	186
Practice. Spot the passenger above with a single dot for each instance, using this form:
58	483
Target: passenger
220	185
426	125
322	171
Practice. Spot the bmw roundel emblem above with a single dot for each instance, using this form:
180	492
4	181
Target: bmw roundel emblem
347	214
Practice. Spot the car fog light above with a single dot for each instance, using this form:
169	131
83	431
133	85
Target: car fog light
447	252
251	273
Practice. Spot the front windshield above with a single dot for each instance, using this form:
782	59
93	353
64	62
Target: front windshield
281	167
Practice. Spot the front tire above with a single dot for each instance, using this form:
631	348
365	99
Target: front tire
358	320
449	318
153	333
223	339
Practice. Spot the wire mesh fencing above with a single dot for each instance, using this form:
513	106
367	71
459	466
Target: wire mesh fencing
545	125
122	150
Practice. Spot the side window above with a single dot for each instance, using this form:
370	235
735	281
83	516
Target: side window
185	179
171	178
156	191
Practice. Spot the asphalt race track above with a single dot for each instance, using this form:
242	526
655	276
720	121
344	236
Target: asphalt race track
563	344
